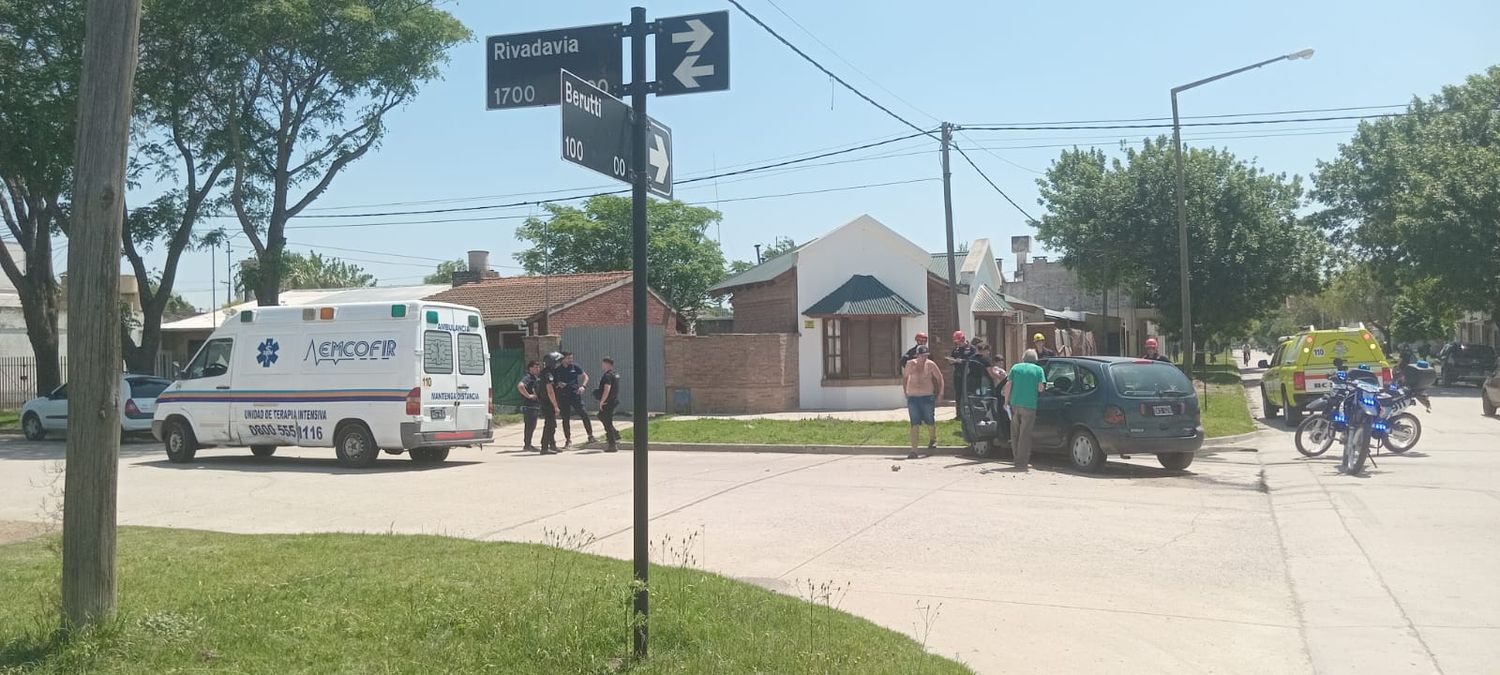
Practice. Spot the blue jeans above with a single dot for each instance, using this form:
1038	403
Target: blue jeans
920	410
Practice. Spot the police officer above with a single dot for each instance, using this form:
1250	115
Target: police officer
571	383
551	404
608	394
531	400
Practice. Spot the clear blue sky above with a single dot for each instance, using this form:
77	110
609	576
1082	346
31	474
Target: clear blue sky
966	62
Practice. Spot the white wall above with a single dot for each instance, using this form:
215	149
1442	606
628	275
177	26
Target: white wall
863	246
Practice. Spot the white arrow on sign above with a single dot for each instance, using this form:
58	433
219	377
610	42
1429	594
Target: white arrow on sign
689	71
698	34
657	156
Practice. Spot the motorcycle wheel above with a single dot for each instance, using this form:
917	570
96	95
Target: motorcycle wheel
1403	432
1356	448
1314	436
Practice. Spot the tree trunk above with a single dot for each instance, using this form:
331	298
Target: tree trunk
39	307
104	107
141	358
269	271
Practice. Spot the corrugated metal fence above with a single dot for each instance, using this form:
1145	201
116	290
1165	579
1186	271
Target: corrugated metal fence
18	377
591	343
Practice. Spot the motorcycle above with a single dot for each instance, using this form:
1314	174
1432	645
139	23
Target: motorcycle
1329	421
1371	413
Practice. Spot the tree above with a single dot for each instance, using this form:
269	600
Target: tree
309	271
777	247
444	272
41	52
93	455
1115	223
1418	195
684	262
318	78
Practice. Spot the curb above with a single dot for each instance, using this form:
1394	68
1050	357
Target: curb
887	450
1230	440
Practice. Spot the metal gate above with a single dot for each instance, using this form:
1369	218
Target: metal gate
591	343
506	366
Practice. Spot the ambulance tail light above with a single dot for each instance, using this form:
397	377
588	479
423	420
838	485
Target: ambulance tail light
1299	381
489	399
414	401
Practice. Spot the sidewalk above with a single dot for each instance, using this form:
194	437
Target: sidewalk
945	411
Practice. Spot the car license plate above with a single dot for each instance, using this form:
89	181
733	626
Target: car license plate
1163	411
439	413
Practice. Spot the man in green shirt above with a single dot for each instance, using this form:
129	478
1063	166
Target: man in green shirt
1026	383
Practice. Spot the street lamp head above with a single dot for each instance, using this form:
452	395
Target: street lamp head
1304	54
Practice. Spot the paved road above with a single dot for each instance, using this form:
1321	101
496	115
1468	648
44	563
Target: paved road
1253	562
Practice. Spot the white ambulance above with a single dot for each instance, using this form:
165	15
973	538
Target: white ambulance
359	378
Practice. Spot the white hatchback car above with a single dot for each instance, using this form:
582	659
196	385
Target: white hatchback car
138	393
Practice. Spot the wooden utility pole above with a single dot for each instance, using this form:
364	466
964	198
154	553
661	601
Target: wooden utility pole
94	356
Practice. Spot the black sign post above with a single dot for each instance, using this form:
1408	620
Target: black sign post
639	87
521	70
692	53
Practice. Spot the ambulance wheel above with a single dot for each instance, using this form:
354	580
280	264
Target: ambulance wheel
429	455
355	446
180	442
263	450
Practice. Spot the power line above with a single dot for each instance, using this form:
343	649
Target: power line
825	70
821	191
1270	113
1168	126
986	178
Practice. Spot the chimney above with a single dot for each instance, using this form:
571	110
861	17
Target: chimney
1021	246
479	262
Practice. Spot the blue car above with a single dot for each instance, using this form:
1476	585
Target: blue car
1096	406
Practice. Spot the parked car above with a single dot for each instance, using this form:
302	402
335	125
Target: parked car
1298	372
1489	391
49	414
1466	363
1095	406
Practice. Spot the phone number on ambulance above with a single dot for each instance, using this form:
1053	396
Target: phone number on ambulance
287	431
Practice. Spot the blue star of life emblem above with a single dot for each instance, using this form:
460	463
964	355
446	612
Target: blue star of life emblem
266	352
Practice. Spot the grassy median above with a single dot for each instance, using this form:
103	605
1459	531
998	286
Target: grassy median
1225	413
194	601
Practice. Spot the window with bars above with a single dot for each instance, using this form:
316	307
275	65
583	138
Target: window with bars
857	348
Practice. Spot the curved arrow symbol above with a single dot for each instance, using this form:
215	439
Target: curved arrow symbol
689	71
698	34
657	156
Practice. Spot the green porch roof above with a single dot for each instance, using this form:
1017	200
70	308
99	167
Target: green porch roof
863	295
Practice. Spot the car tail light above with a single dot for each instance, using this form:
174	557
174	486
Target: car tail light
131	408
490	400
414	401
1385	375
1299	381
1114	415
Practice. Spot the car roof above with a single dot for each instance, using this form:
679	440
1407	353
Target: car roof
1107	359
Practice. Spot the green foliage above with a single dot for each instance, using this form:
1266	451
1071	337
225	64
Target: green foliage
444	272
684	262
308	271
1421	313
335	603
1418	195
1115	223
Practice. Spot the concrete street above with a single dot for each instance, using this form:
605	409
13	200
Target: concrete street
1255	561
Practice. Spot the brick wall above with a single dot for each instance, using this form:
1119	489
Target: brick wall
767	308
939	329
611	308
734	373
537	346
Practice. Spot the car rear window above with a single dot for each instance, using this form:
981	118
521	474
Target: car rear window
437	352
1479	352
470	354
1146	380
147	387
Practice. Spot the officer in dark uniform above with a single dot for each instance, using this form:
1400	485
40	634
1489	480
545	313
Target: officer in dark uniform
531	401
551	403
608	394
571	383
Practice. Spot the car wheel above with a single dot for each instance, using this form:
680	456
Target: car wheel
1266	408
31	425
1484	399
1084	451
182	446
1175	461
355	446
263	450
429	455
1293	413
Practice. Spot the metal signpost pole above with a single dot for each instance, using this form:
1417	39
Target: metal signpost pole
639	233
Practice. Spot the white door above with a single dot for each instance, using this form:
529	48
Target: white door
439	376
54	410
473	403
206	382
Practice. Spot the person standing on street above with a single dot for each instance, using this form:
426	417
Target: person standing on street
1021	392
1152	354
572	382
921	382
531	402
959	357
1039	345
912	353
551	405
608	394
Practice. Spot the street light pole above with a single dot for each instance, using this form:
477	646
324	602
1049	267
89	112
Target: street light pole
1188	352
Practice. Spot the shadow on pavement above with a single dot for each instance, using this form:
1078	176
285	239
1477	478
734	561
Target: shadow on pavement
1112	470
331	466
16	447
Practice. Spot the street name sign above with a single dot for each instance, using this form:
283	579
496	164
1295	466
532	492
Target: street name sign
521	68
596	135
692	54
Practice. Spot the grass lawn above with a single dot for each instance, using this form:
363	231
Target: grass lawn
1226	413
193	601
816	431
9	419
